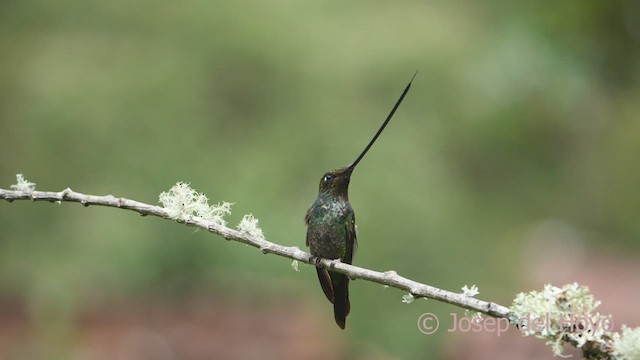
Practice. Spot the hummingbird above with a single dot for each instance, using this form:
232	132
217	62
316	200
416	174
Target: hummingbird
331	227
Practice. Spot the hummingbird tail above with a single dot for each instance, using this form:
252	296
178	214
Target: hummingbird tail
341	305
325	282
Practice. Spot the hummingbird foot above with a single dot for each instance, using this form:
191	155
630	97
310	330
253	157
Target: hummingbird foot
333	263
316	260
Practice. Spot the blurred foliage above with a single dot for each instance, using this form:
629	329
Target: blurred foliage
520	113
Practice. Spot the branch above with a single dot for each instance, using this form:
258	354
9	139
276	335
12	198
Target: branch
388	278
551	306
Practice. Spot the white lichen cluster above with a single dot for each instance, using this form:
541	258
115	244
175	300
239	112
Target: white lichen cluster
249	225
472	291
563	315
23	184
294	265
627	345
408	298
182	202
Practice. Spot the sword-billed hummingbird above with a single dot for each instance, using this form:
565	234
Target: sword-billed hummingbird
331	227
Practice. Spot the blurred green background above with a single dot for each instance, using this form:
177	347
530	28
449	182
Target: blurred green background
521	133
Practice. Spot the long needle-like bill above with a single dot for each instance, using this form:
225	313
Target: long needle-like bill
384	124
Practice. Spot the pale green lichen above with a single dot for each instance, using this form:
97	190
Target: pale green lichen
562	315
23	184
472	291
294	265
249	225
474	316
182	202
627	345
408	298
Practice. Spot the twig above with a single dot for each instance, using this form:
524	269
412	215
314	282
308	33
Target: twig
389	278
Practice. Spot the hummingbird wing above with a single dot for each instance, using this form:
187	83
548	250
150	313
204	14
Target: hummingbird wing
307	216
341	304
352	238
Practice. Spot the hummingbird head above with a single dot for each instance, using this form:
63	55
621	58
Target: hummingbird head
336	182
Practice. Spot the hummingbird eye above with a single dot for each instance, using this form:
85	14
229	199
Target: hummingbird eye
327	177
